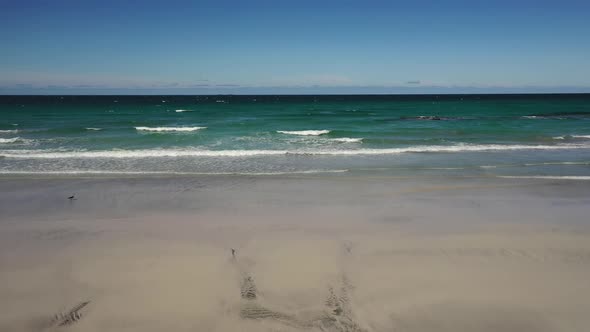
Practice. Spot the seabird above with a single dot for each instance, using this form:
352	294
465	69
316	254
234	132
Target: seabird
233	252
71	198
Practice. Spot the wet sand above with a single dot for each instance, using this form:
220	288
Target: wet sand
317	253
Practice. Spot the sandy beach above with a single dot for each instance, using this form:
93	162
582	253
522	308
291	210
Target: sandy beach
318	253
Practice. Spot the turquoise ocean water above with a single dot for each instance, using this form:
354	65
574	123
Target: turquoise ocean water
471	135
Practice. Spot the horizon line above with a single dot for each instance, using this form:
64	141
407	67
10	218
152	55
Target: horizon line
301	94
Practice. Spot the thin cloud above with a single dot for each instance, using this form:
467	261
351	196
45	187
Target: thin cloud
313	80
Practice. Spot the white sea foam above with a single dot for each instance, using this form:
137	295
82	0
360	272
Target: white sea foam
103	172
572	136
312	171
91	128
304	132
347	140
155	153
9	131
169	129
559	163
9	140
548	177
437	168
182	111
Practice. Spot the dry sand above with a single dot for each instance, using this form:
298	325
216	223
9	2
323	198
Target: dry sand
333	253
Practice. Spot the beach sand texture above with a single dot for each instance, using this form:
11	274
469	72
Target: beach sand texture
312	253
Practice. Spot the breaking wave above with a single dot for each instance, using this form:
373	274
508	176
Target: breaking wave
304	132
16	140
9	140
558	115
158	153
548	177
347	140
169	129
104	172
572	136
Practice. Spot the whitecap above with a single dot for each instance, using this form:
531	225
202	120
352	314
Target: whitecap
92	128
347	140
182	111
169	129
304	132
9	131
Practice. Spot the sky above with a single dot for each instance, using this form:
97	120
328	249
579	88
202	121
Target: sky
283	47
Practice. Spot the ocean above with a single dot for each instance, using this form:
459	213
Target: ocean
400	135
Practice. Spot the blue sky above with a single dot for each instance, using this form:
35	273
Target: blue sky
279	46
